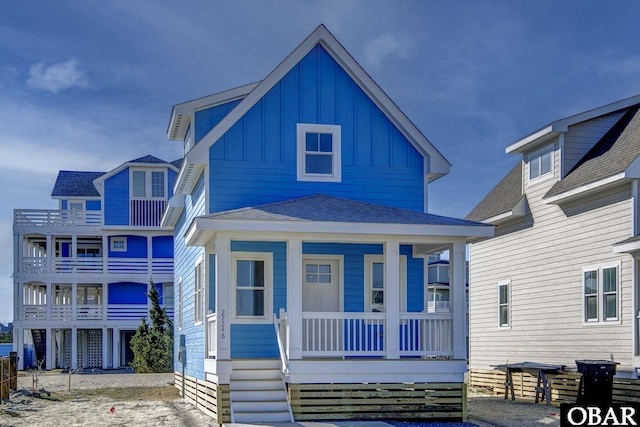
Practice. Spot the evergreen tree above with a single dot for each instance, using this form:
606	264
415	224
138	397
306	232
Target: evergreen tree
152	347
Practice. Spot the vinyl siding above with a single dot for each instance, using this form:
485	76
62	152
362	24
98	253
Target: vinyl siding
116	199
184	261
543	255
162	246
255	161
580	138
136	247
93	205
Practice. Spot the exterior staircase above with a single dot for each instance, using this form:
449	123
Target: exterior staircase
258	392
39	337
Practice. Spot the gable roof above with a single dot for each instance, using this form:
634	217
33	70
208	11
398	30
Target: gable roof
438	165
328	214
609	159
559	126
177	163
76	184
141	161
147	159
503	200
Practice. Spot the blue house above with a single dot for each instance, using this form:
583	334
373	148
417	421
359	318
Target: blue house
81	272
301	239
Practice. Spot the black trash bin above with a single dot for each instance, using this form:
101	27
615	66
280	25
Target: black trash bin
596	382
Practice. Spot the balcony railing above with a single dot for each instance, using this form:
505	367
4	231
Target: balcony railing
147	212
39	265
60	218
438	306
64	312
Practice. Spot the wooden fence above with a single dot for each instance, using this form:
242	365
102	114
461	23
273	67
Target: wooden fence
564	387
8	375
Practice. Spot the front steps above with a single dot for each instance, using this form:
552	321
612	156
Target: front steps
258	393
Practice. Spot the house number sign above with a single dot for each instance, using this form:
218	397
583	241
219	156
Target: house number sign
222	325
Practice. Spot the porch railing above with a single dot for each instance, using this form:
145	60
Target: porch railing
425	334
64	312
61	312
438	306
39	265
46	217
281	325
212	336
34	312
89	312
126	311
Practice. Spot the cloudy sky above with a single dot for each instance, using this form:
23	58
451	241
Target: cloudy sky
89	85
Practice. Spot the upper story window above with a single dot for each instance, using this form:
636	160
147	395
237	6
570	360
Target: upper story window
319	152
148	184
600	289
541	164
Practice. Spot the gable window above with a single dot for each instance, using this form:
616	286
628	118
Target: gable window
148	184
504	304
197	293
251	277
319	148
541	163
118	244
600	290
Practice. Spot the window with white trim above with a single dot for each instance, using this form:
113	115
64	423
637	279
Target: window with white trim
601	286
75	205
504	304
319	152
118	244
180	303
148	184
541	164
251	277
197	293
167	294
374	277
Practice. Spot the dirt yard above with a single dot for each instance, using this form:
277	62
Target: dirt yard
107	399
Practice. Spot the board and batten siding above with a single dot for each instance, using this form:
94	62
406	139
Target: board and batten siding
543	255
254	162
580	138
184	261
116	199
206	119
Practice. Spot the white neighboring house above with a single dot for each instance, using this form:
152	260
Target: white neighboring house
81	272
558	282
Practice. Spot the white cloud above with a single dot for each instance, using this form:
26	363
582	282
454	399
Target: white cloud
385	46
57	77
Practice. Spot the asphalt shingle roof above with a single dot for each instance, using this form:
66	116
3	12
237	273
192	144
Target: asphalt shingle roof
147	159
613	154
177	163
74	183
333	209
503	198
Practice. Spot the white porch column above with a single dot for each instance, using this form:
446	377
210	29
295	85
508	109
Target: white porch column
294	299
49	254
74	347
105	254
74	250
74	300
48	351
223	284
392	298
49	299
115	348
105	348
105	302
150	255
458	300
18	345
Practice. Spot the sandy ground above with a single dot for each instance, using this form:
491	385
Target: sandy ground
151	400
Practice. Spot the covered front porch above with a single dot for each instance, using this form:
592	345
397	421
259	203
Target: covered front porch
335	301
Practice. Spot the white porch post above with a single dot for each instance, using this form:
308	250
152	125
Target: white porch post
458	299
115	347
49	254
49	299
223	284
105	254
150	256
18	345
105	295
294	299
74	347
392	298
105	348
74	250
74	300
48	353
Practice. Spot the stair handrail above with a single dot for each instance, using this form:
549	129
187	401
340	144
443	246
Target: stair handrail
280	325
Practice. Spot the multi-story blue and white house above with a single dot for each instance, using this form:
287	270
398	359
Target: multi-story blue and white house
81	272
301	239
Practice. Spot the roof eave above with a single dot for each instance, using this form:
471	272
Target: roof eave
587	189
532	140
518	211
629	247
172	212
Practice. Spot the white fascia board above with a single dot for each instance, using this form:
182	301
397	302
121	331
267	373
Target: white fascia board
187	177
626	247
181	113
518	211
172	212
586	189
439	165
530	140
76	197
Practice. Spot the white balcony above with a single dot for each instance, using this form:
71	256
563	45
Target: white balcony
40	265
438	306
56	218
86	312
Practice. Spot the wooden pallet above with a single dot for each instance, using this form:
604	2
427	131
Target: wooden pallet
564	387
378	401
211	398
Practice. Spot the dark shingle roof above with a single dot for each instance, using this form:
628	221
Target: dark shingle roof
73	183
615	151
177	163
503	198
147	159
333	209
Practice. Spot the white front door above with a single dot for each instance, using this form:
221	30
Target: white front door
320	285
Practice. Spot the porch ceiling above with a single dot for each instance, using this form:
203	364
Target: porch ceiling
326	215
